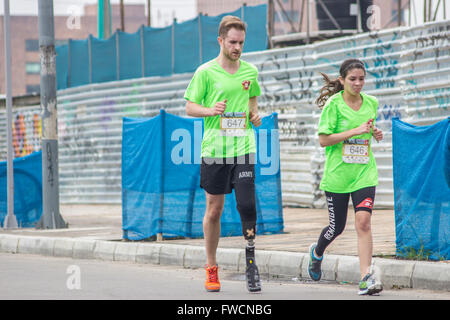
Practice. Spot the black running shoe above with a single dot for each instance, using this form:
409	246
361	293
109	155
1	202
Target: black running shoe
314	267
251	273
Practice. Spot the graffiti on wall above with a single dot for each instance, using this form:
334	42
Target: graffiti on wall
27	133
382	61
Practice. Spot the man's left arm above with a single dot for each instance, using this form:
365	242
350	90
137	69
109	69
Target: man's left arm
253	114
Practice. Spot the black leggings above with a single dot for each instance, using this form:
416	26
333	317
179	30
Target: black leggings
362	200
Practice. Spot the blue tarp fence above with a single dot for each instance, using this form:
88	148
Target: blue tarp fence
27	190
421	160
178	48
161	179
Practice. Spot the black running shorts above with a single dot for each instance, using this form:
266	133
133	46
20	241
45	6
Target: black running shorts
219	176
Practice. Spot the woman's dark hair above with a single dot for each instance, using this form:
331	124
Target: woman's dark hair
332	87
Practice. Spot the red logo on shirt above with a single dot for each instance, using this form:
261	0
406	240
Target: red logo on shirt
366	203
246	84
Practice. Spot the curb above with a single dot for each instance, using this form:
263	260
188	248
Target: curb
392	273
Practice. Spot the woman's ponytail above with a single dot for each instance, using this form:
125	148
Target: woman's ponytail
330	88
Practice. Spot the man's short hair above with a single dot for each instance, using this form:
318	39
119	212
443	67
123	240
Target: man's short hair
229	22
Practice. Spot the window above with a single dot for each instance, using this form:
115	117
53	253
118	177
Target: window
32	45
33	67
33	88
61	42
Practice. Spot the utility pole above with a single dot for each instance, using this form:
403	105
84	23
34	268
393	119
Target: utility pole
444	9
424	11
429	10
437	9
149	14
122	16
10	219
51	217
409	13
104	19
270	17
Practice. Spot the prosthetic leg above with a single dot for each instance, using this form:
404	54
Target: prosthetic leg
246	205
251	272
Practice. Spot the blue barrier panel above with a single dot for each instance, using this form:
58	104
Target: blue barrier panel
187	44
79	63
421	192
256	20
161	179
130	55
62	60
27	190
104	59
179	48
158	51
209	45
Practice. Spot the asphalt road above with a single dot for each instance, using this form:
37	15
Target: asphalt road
32	277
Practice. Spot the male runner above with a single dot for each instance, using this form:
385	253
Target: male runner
223	91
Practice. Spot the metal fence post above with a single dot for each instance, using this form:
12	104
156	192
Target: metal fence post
90	57
69	67
10	219
142	52
200	50
159	235
117	55
173	45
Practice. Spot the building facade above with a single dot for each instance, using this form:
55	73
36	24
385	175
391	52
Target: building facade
292	10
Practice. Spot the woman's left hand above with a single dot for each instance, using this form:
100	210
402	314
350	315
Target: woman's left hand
255	119
377	134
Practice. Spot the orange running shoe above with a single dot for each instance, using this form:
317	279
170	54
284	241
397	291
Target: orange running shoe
212	283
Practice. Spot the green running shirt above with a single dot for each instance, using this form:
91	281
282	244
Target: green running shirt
350	165
230	135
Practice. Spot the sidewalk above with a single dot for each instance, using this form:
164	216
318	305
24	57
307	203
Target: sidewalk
95	232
